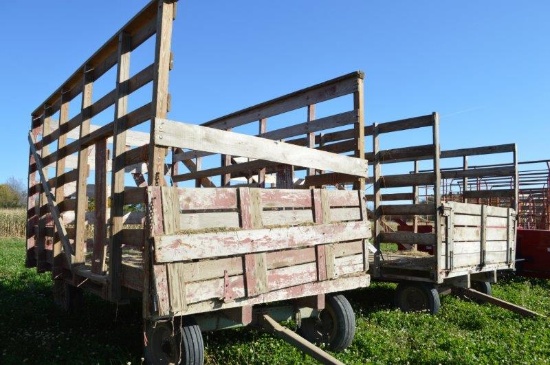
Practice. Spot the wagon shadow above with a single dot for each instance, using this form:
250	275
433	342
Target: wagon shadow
377	297
35	326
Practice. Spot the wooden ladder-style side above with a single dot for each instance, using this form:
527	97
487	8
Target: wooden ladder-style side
52	205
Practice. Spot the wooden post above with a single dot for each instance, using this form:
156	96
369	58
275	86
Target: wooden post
311	135
376	171
100	197
43	211
359	128
32	209
59	190
261	172
515	203
117	180
464	179
157	154
416	200
81	182
226	161
437	197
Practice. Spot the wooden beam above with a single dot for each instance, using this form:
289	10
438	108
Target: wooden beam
81	196
401	125
117	177
181	247
161	71
100	212
172	134
331	89
474	294
485	150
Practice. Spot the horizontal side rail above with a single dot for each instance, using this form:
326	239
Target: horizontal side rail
173	134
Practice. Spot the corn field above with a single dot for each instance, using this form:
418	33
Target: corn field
12	222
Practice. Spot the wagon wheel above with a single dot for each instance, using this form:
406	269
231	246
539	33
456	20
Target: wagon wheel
482	287
68	297
335	326
417	297
177	342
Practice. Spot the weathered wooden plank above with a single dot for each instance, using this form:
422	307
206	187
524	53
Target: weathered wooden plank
170	209
211	269
176	285
328	179
237	169
486	194
59	189
404	124
285	198
272	218
100	212
161	289
161	71
474	247
345	214
196	246
257	281
117	175
473	259
420	209
475	220
199	293
475	209
198	221
393	196
173	134
409	238
480	172
499	302
331	89
474	233
277	279
81	196
199	199
343	198
133	138
485	150
155	205
305	290
394	181
315	125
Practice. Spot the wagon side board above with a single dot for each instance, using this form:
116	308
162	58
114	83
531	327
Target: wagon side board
237	247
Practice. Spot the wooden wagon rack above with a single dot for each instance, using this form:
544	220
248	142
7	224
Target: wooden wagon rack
199	221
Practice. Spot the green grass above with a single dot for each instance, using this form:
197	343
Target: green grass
34	331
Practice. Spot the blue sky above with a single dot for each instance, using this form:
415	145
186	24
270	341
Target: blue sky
483	65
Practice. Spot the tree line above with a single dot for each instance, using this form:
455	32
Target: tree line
13	194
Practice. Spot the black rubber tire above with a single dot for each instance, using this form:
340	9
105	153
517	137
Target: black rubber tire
482	287
417	297
68	297
180	343
335	327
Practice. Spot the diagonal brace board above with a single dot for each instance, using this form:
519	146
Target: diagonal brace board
187	136
51	203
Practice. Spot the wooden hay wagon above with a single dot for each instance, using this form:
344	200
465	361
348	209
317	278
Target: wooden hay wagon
220	229
435	227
